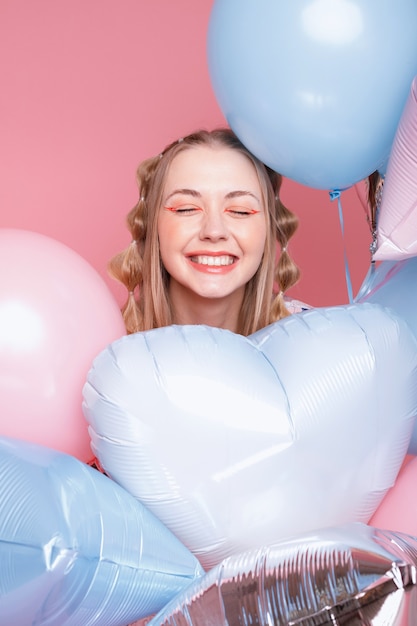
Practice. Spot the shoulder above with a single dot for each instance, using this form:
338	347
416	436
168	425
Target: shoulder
295	306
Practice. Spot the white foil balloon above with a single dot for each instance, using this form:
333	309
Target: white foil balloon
236	442
350	576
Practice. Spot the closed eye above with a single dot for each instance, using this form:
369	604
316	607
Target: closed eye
239	211
184	209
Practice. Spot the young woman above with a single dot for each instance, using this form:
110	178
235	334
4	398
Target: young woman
204	239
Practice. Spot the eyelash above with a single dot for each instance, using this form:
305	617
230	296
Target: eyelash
184	209
242	212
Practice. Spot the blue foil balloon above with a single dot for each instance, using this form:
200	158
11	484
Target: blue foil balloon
394	285
314	88
76	549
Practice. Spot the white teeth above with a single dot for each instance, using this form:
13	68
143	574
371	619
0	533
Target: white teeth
213	260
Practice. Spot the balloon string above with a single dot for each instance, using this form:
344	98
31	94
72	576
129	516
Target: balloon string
335	195
367	283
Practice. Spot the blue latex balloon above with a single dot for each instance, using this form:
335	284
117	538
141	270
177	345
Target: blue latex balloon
76	549
315	88
393	285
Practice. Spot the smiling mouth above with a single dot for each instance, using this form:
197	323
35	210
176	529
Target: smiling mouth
215	261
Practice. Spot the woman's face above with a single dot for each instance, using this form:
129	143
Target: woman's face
212	223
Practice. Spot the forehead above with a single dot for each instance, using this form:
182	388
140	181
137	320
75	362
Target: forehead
208	167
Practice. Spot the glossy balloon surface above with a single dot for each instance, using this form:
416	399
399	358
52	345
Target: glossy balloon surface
391	284
56	314
76	549
397	216
314	88
235	442
333	577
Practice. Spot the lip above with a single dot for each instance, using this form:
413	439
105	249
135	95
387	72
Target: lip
211	253
212	269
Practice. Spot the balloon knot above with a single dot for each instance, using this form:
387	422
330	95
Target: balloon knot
334	194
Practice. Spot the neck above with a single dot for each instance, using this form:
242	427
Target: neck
216	312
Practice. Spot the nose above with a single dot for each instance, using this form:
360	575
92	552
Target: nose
213	226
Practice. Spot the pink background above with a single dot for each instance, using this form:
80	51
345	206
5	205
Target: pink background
91	87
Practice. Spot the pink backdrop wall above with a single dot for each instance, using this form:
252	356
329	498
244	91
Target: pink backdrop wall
91	87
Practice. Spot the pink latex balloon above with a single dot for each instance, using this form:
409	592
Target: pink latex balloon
398	510
397	220
56	315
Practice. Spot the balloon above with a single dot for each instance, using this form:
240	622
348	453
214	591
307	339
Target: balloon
398	510
76	549
314	88
397	217
382	169
234	442
56	314
392	285
347	575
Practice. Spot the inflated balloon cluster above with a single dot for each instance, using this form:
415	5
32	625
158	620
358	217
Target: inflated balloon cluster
246	476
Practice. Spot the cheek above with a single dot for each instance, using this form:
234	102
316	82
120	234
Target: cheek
166	236
255	241
174	234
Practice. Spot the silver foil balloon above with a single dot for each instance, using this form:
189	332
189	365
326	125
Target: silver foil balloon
353	575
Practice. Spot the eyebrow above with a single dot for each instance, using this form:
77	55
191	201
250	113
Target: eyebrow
184	192
196	194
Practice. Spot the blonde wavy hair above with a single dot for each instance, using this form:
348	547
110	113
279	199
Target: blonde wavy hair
139	267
